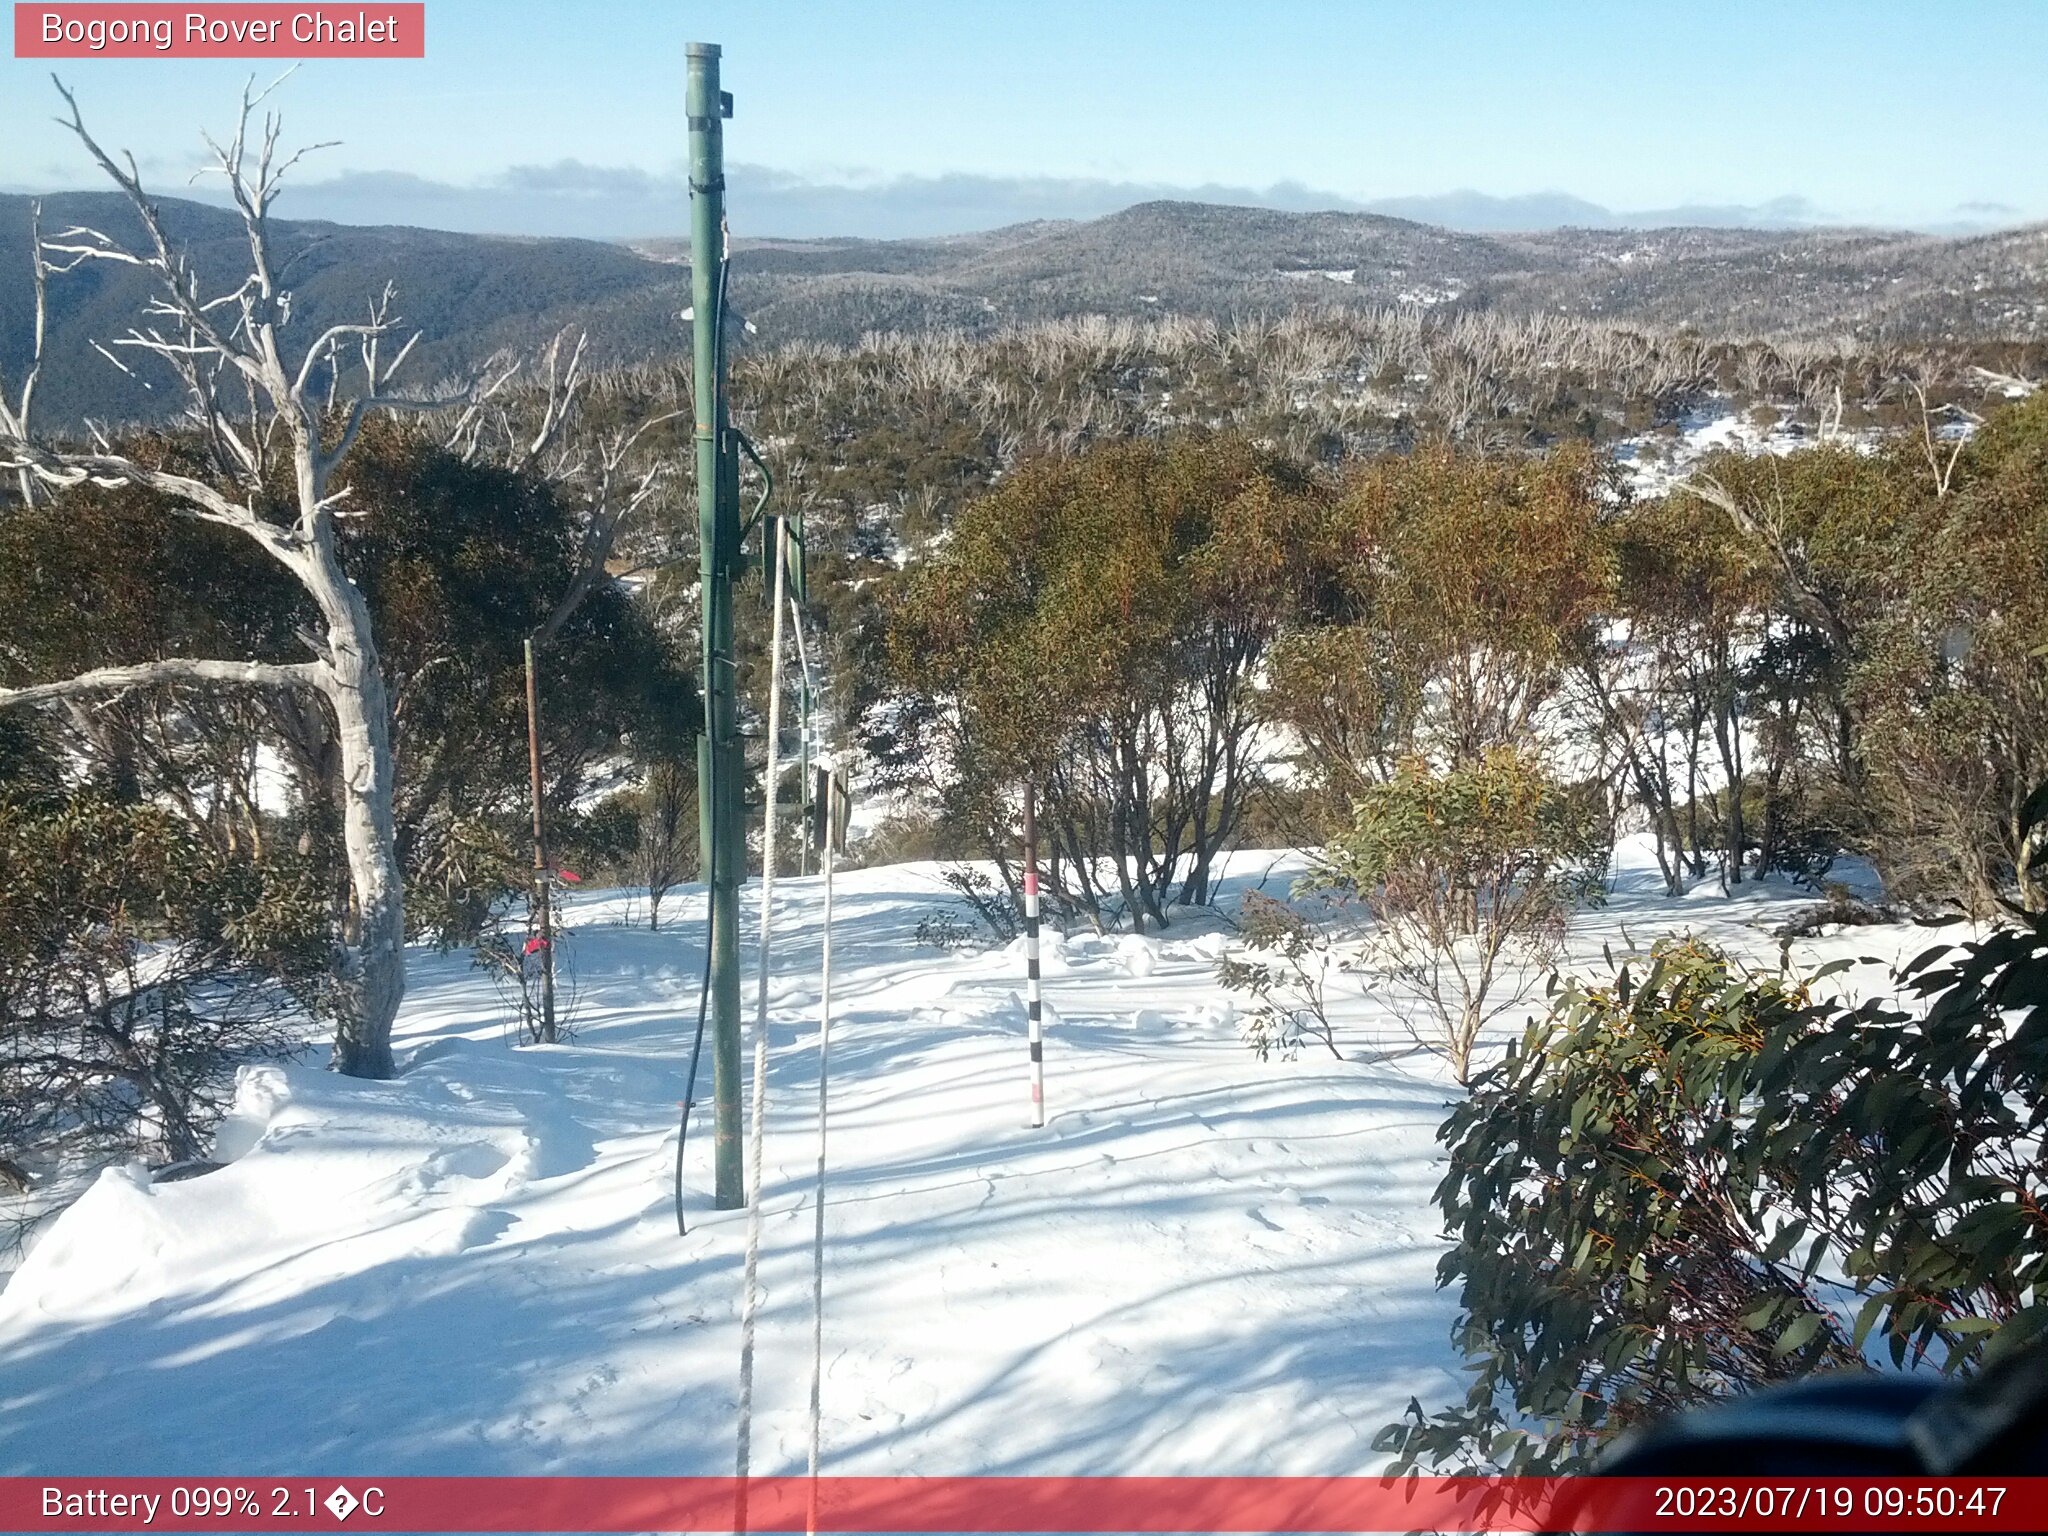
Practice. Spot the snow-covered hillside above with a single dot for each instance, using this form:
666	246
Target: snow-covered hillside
1203	1263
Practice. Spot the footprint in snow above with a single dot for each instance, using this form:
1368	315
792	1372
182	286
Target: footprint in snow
470	1160
484	1227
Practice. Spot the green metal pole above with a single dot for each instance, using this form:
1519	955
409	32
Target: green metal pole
718	760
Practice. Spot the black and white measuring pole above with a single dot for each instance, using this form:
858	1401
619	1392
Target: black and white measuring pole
1033	1004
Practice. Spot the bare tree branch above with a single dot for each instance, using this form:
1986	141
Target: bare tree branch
612	502
261	674
193	498
1766	530
14	419
564	384
2011	383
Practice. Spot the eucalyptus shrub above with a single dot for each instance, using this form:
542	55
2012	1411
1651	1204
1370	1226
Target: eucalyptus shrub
1285	972
1677	1184
1471	875
138	967
1610	1270
1931	1164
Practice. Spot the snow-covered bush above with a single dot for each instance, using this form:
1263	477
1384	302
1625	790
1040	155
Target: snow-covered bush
137	968
1675	1185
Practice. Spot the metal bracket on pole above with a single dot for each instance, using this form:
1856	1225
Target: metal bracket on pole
830	810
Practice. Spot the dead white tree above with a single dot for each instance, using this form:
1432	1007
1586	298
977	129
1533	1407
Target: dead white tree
264	422
14	414
605	477
1931	437
2011	385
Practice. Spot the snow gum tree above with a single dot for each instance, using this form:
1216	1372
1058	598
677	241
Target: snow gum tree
274	428
1453	592
1690	607
1097	624
1952	684
1913	582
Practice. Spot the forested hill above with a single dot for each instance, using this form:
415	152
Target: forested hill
472	294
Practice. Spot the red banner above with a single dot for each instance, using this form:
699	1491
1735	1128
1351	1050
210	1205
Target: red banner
1019	1504
114	31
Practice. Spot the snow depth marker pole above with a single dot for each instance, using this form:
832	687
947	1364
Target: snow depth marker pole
719	765
1033	1005
543	898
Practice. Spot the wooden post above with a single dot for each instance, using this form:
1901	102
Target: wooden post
1032	1005
542	897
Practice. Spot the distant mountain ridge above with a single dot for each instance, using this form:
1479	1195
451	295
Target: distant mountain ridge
473	294
1537	212
575	199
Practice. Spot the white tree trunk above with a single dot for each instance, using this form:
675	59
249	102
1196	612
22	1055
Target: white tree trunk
370	978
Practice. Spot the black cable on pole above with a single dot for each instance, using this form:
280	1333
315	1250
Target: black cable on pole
696	1049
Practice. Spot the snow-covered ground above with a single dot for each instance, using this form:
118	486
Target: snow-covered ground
1655	461
1203	1263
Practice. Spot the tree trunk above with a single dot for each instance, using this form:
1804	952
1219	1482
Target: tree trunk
2029	844
371	974
1463	1035
1692	798
1728	739
1774	819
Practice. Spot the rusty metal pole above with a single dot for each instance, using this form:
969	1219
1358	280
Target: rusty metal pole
542	897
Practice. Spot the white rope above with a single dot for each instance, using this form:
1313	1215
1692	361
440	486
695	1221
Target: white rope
824	1067
818	1205
751	1298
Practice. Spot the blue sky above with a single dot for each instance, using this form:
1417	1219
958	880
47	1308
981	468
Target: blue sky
550	115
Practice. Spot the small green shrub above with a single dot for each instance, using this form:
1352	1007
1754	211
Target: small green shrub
1471	874
993	905
942	929
1285	970
1610	1271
